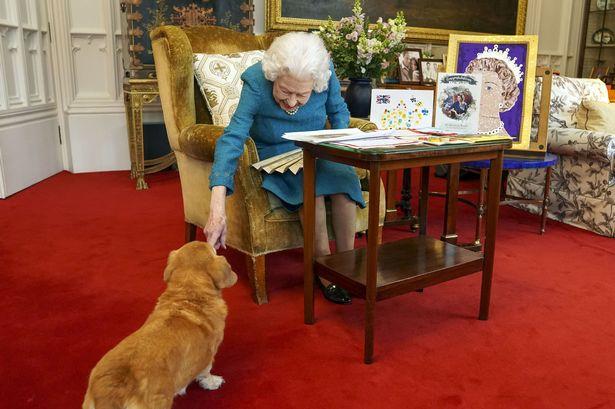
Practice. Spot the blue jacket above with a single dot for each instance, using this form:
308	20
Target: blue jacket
258	116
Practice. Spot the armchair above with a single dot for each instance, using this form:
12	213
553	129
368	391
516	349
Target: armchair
583	183
255	228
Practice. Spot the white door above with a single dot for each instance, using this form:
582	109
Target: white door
30	148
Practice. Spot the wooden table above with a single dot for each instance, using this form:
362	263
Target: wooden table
387	270
137	93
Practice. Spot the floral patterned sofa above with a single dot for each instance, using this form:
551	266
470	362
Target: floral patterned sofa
583	182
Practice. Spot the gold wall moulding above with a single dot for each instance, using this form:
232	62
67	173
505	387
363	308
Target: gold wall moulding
301	15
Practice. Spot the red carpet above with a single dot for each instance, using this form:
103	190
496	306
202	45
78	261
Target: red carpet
81	260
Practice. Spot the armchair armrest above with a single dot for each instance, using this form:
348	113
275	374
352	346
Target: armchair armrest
199	141
362	124
579	142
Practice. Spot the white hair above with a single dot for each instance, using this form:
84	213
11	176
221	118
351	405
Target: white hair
302	55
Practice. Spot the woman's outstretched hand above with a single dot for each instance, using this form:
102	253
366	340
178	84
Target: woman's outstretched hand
215	230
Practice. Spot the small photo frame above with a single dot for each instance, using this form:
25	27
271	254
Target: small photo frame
410	66
430	67
599	72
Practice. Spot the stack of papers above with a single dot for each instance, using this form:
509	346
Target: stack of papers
289	161
355	138
334	135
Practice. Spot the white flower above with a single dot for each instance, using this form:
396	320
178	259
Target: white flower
354	36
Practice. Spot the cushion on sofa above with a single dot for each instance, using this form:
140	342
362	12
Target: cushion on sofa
219	80
596	116
566	96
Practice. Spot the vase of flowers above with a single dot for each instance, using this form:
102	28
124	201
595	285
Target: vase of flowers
362	53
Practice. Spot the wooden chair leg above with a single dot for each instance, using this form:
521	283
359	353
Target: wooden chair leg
379	239
256	273
545	201
190	231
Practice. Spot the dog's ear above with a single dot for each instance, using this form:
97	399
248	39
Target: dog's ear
170	266
222	274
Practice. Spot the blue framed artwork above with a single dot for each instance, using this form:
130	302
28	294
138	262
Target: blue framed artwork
144	15
508	68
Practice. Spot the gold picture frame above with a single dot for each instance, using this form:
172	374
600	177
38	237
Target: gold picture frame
516	119
275	21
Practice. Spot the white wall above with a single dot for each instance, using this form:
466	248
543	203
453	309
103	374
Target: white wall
29	141
558	24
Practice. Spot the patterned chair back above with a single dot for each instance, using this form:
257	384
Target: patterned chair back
566	96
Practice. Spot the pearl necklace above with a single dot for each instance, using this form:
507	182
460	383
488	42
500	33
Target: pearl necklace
291	111
493	131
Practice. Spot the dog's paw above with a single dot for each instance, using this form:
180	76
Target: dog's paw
211	382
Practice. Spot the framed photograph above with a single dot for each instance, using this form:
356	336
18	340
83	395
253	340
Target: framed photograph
401	108
409	66
428	20
430	69
508	67
599	72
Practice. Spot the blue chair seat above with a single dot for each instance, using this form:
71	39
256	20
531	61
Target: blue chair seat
511	163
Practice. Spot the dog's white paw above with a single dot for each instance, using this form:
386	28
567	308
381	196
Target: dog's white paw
211	382
182	391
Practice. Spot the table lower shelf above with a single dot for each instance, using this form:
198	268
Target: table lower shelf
403	266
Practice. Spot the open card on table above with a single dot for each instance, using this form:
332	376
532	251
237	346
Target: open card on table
401	108
458	102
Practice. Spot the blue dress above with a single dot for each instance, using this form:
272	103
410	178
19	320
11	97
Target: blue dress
261	118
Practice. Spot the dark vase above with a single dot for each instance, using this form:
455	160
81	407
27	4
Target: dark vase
358	97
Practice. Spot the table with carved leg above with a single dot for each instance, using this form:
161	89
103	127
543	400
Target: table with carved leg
137	93
381	271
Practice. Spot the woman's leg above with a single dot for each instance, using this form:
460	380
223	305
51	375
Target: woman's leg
332	293
321	245
344	217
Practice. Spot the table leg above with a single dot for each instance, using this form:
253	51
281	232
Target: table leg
545	201
423	196
372	262
137	118
391	212
309	216
480	207
131	135
449	233
493	206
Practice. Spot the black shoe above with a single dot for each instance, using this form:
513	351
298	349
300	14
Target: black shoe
334	293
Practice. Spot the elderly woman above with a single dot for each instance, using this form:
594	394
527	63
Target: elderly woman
294	88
